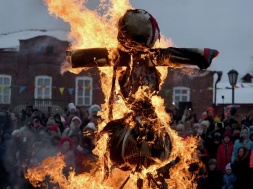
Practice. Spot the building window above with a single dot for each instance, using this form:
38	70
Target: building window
43	87
83	91
181	94
49	50
46	50
5	92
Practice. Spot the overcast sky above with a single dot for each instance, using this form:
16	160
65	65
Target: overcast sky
225	25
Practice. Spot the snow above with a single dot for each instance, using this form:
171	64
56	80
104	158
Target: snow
243	93
11	40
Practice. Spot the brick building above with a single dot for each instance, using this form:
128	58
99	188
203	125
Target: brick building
31	75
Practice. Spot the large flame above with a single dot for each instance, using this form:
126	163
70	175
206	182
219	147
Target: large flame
97	28
90	28
93	28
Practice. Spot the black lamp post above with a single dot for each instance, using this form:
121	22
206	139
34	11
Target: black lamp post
223	107
232	76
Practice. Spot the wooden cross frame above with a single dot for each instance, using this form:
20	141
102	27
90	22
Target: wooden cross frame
99	57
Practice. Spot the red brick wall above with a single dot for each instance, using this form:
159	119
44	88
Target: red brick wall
197	80
32	60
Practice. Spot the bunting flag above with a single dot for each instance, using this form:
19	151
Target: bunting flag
31	88
167	92
70	90
97	86
43	86
88	87
22	88
61	89
80	87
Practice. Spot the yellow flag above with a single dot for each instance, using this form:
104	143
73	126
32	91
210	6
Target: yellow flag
61	89
88	87
3	87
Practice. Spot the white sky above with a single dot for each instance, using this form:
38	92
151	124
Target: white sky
225	25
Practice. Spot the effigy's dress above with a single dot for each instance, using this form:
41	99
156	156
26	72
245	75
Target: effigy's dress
144	143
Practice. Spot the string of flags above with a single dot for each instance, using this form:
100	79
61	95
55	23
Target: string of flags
167	91
61	89
89	87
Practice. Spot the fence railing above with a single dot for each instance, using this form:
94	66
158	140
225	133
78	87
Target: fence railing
44	105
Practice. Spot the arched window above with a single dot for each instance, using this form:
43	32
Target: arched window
83	94
5	92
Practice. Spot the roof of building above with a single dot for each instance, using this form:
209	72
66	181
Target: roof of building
243	93
11	40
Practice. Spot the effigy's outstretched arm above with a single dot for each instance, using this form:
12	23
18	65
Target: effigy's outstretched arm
99	57
92	57
191	56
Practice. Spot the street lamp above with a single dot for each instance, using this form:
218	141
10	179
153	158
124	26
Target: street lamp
232	76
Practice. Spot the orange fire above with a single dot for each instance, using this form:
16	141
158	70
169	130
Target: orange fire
97	28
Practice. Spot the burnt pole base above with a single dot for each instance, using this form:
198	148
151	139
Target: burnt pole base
140	182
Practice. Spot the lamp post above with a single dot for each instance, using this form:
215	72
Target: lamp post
223	108
232	76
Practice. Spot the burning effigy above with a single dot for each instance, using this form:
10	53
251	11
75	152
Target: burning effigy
134	140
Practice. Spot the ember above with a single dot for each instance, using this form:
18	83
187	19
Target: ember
133	137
